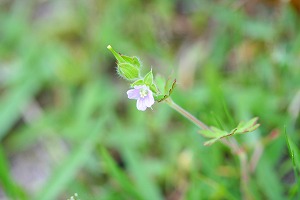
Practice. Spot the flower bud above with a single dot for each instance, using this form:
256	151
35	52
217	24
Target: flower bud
128	67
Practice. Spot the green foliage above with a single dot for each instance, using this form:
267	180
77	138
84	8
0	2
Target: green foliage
113	170
147	80
68	169
166	88
66	125
12	189
128	67
291	149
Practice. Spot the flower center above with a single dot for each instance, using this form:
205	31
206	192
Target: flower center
143	93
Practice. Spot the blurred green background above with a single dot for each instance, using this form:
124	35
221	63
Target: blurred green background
66	125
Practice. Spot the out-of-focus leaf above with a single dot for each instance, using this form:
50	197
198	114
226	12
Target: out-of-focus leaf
249	126
12	103
6	181
66	172
144	183
292	149
113	170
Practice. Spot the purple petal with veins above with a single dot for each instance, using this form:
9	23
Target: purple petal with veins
143	95
133	94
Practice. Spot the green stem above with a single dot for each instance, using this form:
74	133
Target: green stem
186	114
231	143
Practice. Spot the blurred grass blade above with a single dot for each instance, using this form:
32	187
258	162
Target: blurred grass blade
268	180
227	113
292	155
6	181
144	184
11	105
66	172
220	126
113	170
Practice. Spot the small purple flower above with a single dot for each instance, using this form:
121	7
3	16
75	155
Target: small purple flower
143	95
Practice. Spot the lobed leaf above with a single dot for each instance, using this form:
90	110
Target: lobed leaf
217	134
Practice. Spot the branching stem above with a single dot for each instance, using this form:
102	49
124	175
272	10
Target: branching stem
230	143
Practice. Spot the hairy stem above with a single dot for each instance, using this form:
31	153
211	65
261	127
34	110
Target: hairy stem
186	114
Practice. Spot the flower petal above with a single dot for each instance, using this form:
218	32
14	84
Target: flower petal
140	104
149	100
133	94
140	86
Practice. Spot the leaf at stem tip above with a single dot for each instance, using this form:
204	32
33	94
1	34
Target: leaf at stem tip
216	134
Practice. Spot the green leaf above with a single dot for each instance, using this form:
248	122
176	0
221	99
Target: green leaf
170	85
292	150
249	126
160	83
154	88
11	103
213	132
125	59
132	60
137	82
128	67
148	79
160	97
168	89
119	58
217	134
128	71
136	61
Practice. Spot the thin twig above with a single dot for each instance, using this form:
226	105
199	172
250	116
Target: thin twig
258	150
